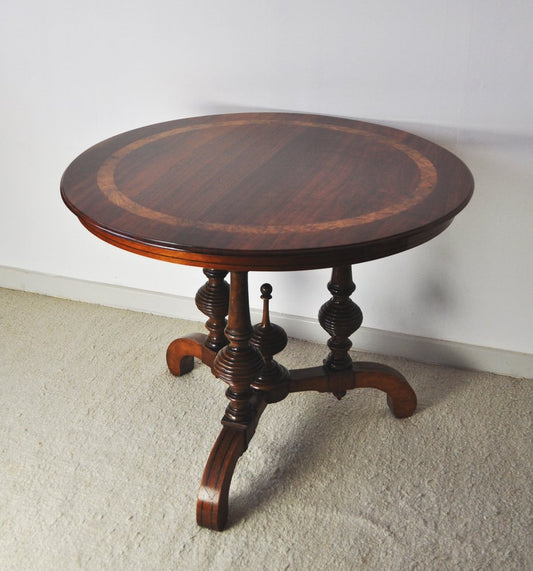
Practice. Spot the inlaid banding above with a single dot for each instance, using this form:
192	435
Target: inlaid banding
427	181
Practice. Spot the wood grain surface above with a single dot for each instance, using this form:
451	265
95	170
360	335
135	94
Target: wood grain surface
275	191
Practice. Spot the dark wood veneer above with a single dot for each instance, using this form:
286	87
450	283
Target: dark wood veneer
267	191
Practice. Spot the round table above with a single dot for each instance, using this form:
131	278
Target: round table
267	191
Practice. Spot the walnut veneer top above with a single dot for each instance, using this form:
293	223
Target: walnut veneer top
266	191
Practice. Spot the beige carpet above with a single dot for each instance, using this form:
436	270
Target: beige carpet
102	451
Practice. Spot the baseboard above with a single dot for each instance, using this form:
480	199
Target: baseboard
424	349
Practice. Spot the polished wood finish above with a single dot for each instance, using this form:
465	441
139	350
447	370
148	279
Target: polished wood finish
254	383
212	504
267	191
238	364
181	353
270	339
400	396
340	317
212	299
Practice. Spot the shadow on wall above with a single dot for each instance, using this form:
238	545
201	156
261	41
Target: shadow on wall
446	135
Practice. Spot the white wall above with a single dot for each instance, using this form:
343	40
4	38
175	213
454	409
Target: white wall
458	72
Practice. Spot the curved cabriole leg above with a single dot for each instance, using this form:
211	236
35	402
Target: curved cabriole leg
401	398
212	300
181	353
212	505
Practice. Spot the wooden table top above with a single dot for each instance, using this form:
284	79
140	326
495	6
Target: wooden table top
266	191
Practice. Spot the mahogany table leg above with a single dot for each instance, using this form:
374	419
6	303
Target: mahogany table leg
238	364
181	353
212	300
400	396
254	379
212	505
340	317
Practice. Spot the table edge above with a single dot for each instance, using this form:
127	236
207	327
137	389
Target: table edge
269	261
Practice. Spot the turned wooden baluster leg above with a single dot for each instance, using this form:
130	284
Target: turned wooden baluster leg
340	317
212	300
238	364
